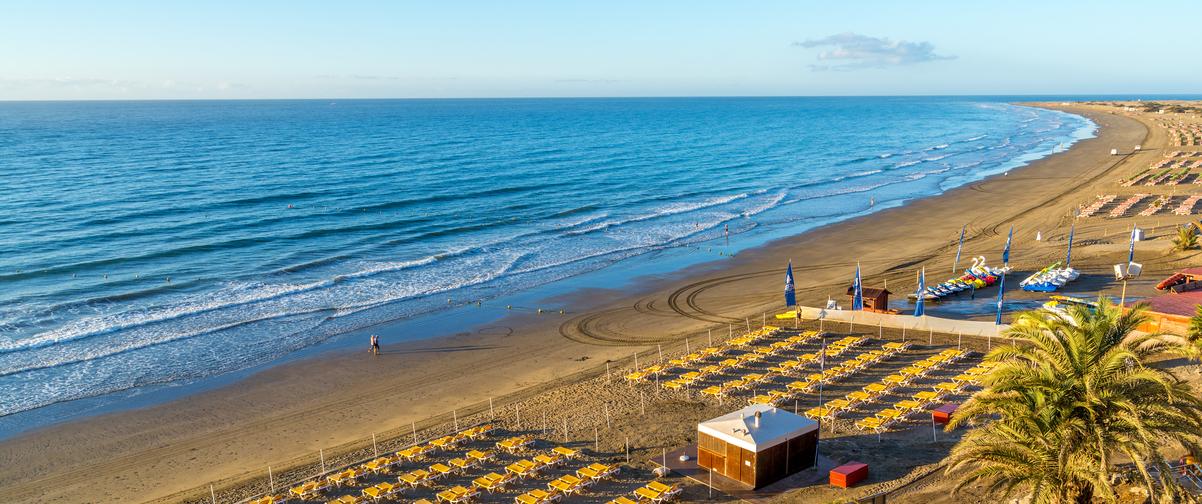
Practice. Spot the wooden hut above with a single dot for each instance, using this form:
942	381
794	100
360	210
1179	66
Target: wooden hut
757	445
875	299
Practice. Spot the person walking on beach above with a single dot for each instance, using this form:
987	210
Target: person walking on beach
375	345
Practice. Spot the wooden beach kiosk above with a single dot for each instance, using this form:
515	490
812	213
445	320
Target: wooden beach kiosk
875	299
757	445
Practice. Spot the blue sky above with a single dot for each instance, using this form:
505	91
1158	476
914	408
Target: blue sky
352	49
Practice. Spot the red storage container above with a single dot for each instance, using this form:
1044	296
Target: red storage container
849	474
943	414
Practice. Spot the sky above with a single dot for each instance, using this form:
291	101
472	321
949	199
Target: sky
117	49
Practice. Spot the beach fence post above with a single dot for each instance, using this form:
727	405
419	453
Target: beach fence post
565	429
642	408
518	413
490	412
903	332
763	320
659	348
413	426
959	339
374	450
795	401
455	419
730	331
686	346
608	378
880	328
607	425
711	483
544	423
748	321
212	494
933	438
596	440
627	445
709	336
270	479
851	322
322	453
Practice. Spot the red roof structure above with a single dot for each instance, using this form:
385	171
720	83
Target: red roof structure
1184	304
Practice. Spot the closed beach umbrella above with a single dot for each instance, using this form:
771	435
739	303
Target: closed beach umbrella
1001	292
922	286
1006	251
1068	258
857	299
959	248
790	296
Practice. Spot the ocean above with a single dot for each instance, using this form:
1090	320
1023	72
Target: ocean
153	243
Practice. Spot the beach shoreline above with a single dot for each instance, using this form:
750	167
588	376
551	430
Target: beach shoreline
337	400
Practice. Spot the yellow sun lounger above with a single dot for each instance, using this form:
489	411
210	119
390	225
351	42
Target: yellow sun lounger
490	482
889	414
876	388
566	452
859	396
908	405
870	423
950	387
481	455
647	493
415	478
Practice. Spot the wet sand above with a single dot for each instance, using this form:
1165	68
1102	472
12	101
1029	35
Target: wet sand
283	416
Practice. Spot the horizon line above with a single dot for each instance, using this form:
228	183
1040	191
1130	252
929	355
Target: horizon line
599	97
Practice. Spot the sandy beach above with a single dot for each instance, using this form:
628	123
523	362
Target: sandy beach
532	364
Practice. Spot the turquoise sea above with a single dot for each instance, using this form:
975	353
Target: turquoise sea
145	244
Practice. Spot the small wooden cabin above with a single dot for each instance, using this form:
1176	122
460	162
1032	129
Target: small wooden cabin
875	299
757	445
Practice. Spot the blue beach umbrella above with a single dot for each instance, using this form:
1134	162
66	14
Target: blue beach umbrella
1006	251
1001	292
790	296
1131	248
959	248
922	286
1068	259
857	299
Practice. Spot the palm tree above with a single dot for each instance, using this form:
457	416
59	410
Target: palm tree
1186	239
1072	395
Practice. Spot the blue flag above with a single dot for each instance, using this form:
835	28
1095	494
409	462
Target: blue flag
922	287
1068	259
1131	248
790	296
1001	291
1006	251
857	298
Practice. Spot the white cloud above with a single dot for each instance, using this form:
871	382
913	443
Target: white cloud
852	51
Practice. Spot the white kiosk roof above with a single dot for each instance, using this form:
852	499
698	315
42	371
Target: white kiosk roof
740	428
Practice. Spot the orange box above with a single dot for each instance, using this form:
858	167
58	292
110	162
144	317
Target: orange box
849	474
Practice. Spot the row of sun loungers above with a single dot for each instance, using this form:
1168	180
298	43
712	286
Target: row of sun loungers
1187	207
744	341
1121	209
786	368
350	476
1092	208
1156	205
884	419
753	354
834	407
